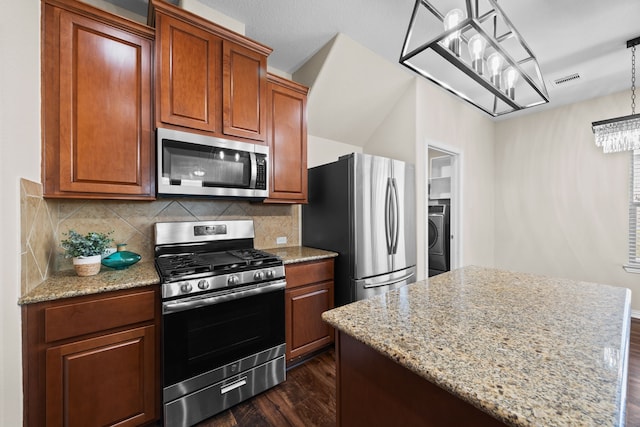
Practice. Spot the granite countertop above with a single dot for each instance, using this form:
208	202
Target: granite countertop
66	284
294	254
527	349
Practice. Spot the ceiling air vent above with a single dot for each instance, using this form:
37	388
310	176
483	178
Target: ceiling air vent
566	79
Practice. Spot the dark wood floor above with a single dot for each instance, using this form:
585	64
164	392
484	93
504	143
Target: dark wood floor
633	390
308	396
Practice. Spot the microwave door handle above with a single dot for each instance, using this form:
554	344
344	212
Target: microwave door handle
254	170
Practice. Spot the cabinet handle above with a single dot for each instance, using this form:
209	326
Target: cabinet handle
226	389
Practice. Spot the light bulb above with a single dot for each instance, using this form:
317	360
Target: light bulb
451	19
510	78
477	44
494	63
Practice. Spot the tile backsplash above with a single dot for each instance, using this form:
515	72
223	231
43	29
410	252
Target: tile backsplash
44	223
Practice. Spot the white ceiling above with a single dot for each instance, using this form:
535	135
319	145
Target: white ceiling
567	36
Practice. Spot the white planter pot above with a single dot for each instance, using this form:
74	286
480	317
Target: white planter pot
87	266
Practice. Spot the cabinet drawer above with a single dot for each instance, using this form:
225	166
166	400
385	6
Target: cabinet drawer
75	319
308	272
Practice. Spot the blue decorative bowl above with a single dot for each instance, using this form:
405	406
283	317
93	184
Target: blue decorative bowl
121	259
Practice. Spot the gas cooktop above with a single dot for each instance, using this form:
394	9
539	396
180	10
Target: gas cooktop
201	257
188	265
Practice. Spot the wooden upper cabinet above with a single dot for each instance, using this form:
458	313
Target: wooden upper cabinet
244	96
287	140
188	74
97	74
209	79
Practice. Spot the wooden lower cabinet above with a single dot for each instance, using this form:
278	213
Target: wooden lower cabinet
374	390
309	293
103	373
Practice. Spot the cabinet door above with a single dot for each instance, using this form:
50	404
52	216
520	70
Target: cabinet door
105	126
306	332
244	96
287	140
189	75
108	380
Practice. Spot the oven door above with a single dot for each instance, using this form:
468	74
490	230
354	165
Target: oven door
219	330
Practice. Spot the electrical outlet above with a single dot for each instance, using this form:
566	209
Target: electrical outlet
281	240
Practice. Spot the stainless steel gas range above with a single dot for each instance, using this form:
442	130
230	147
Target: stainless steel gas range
223	317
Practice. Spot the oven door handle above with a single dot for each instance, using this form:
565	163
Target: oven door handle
229	387
190	303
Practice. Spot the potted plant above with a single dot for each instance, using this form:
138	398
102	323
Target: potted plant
86	250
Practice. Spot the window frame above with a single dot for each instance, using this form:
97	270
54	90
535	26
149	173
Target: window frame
633	263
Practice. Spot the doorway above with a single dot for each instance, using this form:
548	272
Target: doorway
444	209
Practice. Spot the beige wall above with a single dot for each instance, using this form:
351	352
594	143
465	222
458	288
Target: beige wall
321	151
444	120
426	115
20	155
395	136
561	204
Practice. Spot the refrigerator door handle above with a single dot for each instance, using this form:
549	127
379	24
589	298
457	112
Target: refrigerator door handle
390	282
388	232
396	217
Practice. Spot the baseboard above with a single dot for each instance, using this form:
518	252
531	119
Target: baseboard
303	359
635	314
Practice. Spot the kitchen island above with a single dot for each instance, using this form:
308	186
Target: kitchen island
480	346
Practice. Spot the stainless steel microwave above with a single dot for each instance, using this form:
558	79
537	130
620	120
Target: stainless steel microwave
200	165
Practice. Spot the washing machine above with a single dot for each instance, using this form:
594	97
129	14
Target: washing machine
439	239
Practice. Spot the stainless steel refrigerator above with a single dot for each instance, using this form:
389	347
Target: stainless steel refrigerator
363	208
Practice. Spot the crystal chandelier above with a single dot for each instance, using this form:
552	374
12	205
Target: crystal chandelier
621	133
471	49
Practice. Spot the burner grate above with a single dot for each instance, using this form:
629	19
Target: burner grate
182	265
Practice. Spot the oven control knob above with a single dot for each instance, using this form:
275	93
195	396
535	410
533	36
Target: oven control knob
203	284
233	280
258	276
185	287
270	274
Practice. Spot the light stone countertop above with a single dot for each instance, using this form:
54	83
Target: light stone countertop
295	254
529	350
66	284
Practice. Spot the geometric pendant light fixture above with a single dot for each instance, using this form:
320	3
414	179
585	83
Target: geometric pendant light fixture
621	133
471	49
